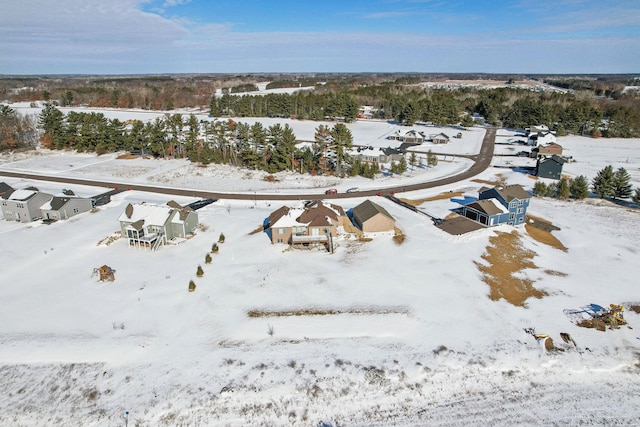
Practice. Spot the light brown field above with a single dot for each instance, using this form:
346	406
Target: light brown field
506	257
441	196
540	230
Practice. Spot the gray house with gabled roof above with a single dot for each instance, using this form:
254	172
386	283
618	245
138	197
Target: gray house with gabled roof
63	207
24	205
550	167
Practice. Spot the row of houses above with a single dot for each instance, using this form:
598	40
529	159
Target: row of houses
414	137
144	225
318	223
30	204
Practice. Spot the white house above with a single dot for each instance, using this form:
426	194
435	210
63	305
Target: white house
149	226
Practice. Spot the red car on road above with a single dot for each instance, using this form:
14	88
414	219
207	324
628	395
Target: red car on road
331	191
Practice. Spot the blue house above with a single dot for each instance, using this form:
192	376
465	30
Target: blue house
499	205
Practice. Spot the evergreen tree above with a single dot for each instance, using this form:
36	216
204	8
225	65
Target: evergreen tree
51	121
603	183
622	184
580	188
563	190
413	160
432	159
207	259
402	165
341	140
199	271
540	189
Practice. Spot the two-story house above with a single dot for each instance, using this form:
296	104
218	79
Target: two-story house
313	225
23	205
149	226
499	205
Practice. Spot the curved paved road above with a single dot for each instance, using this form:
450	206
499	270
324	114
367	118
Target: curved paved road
481	162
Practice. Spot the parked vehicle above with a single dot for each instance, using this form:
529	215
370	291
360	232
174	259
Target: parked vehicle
331	191
353	190
523	154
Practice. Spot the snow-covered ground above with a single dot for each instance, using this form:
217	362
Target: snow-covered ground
420	342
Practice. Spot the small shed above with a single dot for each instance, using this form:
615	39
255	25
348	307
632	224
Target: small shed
372	218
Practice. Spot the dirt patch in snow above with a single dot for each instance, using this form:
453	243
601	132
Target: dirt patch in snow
441	196
257	230
540	230
500	180
325	312
398	236
505	257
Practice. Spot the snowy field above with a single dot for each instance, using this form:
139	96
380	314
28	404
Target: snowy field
418	341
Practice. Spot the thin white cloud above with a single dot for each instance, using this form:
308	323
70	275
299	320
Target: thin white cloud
172	3
77	36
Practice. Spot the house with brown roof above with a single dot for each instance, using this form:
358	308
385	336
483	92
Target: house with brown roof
23	205
546	150
499	205
149	226
313	225
373	219
487	212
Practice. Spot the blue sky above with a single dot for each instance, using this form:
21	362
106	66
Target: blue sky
243	36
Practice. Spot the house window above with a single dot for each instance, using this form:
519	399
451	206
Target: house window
75	210
20	206
520	202
512	204
280	230
512	216
279	241
520	210
298	230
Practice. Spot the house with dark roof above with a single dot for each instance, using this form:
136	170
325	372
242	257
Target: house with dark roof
499	205
63	207
373	219
550	167
5	189
310	226
23	205
413	137
149	226
441	138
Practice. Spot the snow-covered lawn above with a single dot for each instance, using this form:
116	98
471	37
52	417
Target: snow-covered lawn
418	343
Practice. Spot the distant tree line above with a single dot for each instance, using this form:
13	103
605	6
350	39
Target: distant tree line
272	149
596	106
302	105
